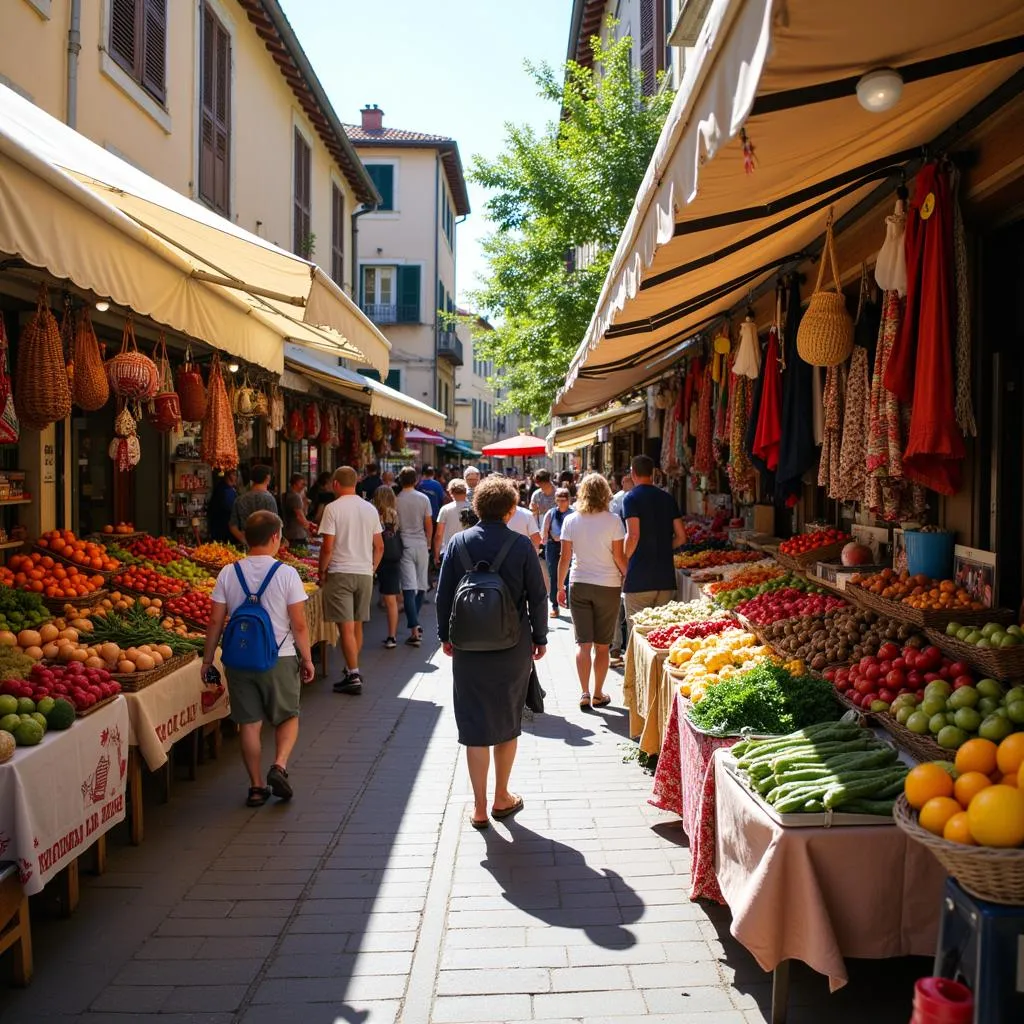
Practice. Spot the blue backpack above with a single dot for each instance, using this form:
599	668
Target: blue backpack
248	641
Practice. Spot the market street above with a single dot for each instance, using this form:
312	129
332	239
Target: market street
369	898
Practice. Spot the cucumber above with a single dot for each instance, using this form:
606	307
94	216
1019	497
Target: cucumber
892	790
866	806
813	807
852	788
822	753
809	773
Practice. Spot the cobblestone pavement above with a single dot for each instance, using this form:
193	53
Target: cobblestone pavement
369	899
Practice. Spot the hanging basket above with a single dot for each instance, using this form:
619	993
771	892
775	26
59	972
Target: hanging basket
219	447
10	429
91	389
191	390
163	412
825	334
131	374
260	404
295	428
41	392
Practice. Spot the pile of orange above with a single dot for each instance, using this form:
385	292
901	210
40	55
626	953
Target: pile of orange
84	553
43	575
918	591
980	801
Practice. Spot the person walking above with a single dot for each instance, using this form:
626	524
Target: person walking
416	524
271	696
490	687
542	500
320	496
472	477
592	544
349	555
296	525
551	539
389	573
623	484
654	527
257	499
371	481
222	500
432	489
451	519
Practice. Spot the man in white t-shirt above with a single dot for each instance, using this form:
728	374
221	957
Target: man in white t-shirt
523	521
349	555
271	696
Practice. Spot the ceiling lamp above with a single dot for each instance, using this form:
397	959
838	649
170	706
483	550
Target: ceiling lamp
102	306
880	90
232	367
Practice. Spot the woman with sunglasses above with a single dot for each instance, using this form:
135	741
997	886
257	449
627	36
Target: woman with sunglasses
551	539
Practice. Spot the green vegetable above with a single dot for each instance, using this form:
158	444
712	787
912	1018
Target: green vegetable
20	610
62	714
853	789
876	806
134	628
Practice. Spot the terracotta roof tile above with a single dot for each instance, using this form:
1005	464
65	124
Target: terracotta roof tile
359	134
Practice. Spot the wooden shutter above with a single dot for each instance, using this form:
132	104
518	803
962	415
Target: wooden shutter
215	120
153	55
383	176
648	46
124	32
409	295
303	188
337	234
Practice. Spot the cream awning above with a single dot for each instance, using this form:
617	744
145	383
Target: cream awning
382	400
580	433
703	232
85	215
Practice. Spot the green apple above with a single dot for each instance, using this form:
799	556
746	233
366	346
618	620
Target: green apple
967	719
974	637
991	627
937	723
1016	631
8	705
985	644
1009	640
904	711
933	705
918	723
10	722
45	706
953	628
939	688
965	697
995	728
879	706
951	737
988	688
964	632
987	705
1014	694
1015	712
26	705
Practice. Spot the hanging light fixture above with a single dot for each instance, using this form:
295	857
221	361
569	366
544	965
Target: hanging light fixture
232	367
880	90
102	306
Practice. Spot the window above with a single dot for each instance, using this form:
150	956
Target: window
302	235
138	42
394	378
653	48
383	176
337	235
447	218
391	294
215	115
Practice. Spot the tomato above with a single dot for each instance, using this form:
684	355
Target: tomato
961	681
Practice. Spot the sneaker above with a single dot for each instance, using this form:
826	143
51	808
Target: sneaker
352	685
390	643
413	640
554	613
277	781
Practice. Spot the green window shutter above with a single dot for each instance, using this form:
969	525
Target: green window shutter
409	295
383	176
394	379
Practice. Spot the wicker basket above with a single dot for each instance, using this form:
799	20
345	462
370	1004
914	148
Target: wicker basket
107	574
132	682
120	539
825	334
56	604
924	748
96	707
926	619
42	393
131	374
1004	663
806	559
986	873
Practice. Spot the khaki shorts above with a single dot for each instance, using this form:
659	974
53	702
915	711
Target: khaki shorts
594	610
646	599
347	597
271	696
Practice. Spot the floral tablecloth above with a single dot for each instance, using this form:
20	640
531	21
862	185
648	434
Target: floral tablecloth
641	691
58	798
684	784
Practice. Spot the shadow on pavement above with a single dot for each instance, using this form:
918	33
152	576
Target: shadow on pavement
553	727
509	861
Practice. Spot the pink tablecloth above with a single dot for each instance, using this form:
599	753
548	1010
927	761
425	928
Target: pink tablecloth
684	784
822	894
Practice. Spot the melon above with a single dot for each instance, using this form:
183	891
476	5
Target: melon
7	746
856	554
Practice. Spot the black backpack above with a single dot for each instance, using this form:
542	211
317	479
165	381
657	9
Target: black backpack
484	617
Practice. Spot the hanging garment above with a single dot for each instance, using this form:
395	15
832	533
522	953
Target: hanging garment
964	404
891	262
748	356
767	433
920	370
856	417
722	398
741	471
704	458
797	451
818	404
828	465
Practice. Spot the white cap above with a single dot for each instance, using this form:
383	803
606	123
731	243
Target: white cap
470	469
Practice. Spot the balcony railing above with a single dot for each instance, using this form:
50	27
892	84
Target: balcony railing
449	347
390	313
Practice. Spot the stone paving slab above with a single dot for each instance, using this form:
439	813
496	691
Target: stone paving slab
368	900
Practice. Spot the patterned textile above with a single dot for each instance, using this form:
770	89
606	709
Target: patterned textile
704	459
964	405
741	471
828	467
856	417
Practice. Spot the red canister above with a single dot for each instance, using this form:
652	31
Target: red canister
941	1001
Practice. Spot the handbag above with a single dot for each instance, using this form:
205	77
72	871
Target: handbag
393	546
825	334
535	693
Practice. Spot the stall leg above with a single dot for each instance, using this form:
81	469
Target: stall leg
100	855
135	794
15	929
193	755
70	891
780	992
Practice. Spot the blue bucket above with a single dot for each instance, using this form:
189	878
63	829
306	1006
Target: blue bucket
930	554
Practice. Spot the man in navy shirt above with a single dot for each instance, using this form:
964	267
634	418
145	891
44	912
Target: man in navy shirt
654	527
432	489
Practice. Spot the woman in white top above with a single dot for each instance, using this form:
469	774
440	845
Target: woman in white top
592	540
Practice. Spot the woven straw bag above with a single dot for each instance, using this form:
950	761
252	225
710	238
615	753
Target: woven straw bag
131	374
219	446
164	411
91	389
42	394
825	335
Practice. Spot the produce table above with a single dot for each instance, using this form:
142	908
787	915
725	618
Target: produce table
642	692
60	797
684	784
821	894
320	630
686	589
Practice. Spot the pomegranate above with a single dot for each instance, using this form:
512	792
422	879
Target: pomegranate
856	554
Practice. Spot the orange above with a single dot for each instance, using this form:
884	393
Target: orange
996	817
936	812
1009	779
957	830
1010	755
1020	777
925	781
968	785
976	755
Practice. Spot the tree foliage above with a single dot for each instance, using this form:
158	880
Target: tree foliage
572	185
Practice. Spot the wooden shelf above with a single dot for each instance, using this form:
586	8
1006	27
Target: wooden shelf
16	501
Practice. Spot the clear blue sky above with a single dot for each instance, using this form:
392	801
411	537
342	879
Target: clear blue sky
449	67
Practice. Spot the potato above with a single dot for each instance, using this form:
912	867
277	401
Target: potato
82	625
48	633
125	667
143	662
110	652
69	634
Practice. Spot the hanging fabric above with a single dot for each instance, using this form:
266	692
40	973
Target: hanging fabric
741	471
797	453
891	262
964	405
828	465
748	356
10	429
704	458
767	434
853	449
920	371
818	404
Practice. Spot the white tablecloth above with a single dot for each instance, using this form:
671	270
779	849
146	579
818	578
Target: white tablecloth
58	798
169	709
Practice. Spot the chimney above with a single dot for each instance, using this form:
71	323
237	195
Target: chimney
373	118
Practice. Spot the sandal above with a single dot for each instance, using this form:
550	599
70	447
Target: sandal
585	701
479	825
507	812
601	702
258	796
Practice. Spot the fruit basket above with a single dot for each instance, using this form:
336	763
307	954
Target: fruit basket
923	747
926	618
107	574
1001	663
807	559
132	682
58	604
118	538
987	873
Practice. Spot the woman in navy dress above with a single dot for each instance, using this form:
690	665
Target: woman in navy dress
490	686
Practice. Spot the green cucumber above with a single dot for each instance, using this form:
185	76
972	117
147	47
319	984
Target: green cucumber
852	789
864	805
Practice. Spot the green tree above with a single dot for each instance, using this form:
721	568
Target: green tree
572	185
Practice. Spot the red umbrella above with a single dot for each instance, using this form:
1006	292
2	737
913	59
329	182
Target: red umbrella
521	444
419	436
